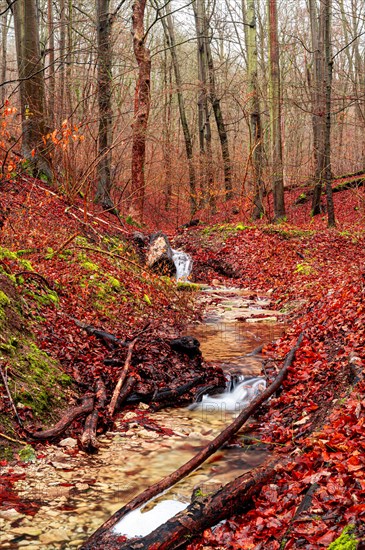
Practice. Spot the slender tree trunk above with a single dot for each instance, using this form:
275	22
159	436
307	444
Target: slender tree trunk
321	45
62	63
256	149
4	47
327	9
221	127
141	103
168	27
318	103
32	92
275	115
69	62
167	109
104	63
51	60
205	134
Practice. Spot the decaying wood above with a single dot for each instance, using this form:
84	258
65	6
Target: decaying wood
204	512
166	394
125	391
85	408
89	442
200	457
109	340
122	377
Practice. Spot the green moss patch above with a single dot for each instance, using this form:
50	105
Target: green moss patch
35	380
346	541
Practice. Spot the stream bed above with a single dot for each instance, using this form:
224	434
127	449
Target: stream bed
75	493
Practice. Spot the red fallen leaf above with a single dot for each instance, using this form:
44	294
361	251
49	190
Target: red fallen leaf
354	464
356	509
327	538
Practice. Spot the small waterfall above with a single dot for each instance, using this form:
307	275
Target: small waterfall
183	263
238	395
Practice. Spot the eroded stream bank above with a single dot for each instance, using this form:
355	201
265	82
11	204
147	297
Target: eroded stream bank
74	493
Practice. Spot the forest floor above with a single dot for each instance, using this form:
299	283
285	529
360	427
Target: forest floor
90	272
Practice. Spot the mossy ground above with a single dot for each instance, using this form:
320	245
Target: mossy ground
37	384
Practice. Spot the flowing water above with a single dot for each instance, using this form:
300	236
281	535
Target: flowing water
76	493
183	263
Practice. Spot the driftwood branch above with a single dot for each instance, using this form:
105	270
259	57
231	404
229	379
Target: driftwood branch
85	408
199	458
122	377
89	442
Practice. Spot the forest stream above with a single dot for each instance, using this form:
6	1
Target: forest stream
75	493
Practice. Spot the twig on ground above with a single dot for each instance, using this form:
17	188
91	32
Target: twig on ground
122	377
5	382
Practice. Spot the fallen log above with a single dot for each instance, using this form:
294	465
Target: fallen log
166	395
89	441
86	407
122	377
199	458
109	340
204	512
125	391
341	186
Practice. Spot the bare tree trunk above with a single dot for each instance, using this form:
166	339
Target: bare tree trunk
142	101
256	149
318	103
62	64
205	134
4	47
104	63
69	62
51	59
167	110
32	93
275	112
221	127
321	45
327	8
168	27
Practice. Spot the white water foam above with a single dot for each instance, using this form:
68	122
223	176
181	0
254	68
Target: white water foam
139	524
233	399
183	263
